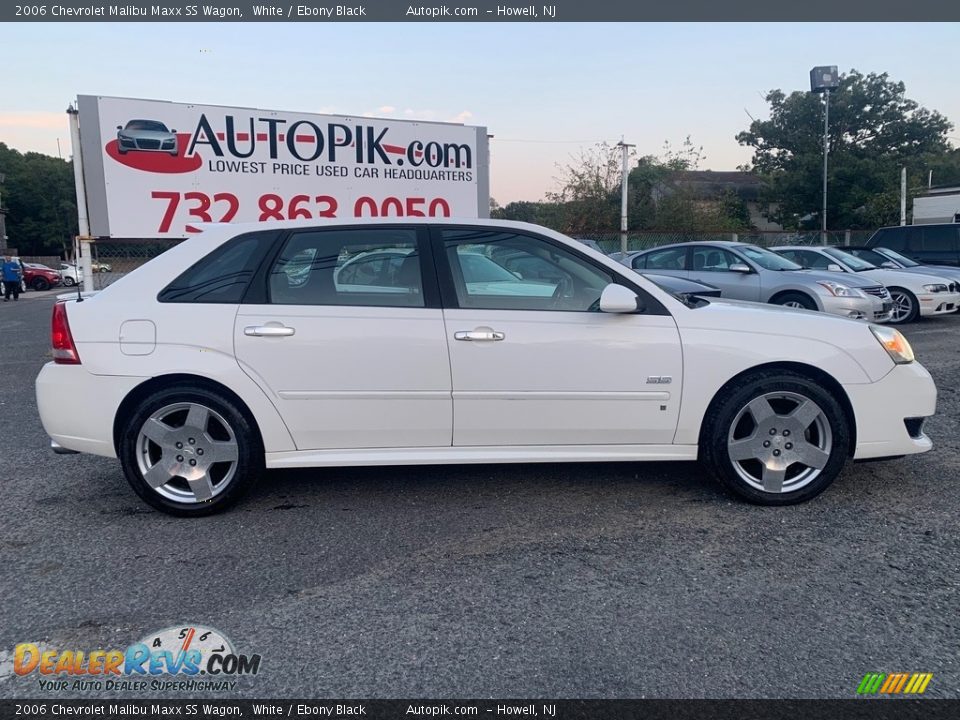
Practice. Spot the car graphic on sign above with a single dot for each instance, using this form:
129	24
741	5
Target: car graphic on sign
146	135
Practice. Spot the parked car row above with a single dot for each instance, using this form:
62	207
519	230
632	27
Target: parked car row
871	282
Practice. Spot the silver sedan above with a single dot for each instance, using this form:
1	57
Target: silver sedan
748	272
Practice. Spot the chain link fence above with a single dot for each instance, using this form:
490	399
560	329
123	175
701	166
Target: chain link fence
112	259
609	242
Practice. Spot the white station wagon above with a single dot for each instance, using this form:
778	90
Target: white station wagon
244	348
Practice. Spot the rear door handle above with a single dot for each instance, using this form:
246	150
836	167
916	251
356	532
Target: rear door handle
483	335
268	330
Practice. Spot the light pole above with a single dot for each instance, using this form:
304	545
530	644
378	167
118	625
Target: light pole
625	147
823	79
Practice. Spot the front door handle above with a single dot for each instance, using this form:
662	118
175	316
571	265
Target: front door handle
480	334
268	330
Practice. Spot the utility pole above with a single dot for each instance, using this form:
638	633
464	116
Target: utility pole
903	195
625	147
3	221
826	151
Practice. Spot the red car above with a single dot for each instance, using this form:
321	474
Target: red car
40	277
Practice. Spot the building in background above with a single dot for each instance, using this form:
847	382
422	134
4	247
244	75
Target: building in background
937	205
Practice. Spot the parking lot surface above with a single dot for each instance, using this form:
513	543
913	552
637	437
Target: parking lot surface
589	580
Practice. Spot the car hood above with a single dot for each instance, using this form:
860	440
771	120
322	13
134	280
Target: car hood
910	280
848	279
944	271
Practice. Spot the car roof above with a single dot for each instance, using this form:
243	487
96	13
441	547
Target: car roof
920	225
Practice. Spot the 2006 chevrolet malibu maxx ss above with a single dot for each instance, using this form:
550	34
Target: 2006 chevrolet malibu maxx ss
438	341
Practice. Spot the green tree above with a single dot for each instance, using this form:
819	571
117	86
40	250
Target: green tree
39	197
589	191
874	131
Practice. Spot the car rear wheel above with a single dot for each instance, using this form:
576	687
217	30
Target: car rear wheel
40	283
189	451
69	281
796	300
775	438
905	306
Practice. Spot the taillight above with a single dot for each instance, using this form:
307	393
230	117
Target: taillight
64	349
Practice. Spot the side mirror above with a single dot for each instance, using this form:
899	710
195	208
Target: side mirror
890	264
172	130
833	267
739	268
619	299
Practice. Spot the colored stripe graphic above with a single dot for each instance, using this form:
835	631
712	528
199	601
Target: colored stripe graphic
894	683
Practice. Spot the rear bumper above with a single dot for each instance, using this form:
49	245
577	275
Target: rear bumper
77	409
881	408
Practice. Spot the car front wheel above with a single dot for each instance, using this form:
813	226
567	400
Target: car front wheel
189	451
776	438
69	281
796	300
40	284
905	306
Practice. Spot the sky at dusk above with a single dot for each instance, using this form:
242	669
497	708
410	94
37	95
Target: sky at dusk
543	90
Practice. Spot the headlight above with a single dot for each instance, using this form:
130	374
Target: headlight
894	343
938	287
840	290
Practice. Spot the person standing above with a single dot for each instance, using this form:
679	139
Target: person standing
11	278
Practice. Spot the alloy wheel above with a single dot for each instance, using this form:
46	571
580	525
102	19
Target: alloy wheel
187	452
902	307
779	442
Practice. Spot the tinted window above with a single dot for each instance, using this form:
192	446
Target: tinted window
223	275
709	259
807	258
940	239
506	271
767	259
893	239
871	256
379	267
669	259
851	261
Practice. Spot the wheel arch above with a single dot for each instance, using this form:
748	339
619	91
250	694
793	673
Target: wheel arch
809	371
774	299
161	382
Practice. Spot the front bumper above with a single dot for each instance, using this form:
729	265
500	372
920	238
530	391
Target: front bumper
938	303
881	409
868	308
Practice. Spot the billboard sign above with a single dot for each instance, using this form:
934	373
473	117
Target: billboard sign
156	169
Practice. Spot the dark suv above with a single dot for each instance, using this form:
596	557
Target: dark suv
926	244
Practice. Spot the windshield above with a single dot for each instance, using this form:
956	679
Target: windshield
871	256
479	269
894	255
766	259
851	261
151	125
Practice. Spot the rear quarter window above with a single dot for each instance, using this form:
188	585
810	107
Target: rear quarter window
223	275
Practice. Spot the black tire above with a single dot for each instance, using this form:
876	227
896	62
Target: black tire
40	284
249	465
729	406
902	296
796	299
69	281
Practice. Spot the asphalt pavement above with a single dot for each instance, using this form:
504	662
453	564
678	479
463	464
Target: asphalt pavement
587	580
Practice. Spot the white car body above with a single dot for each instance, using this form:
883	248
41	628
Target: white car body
69	274
939	303
387	385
